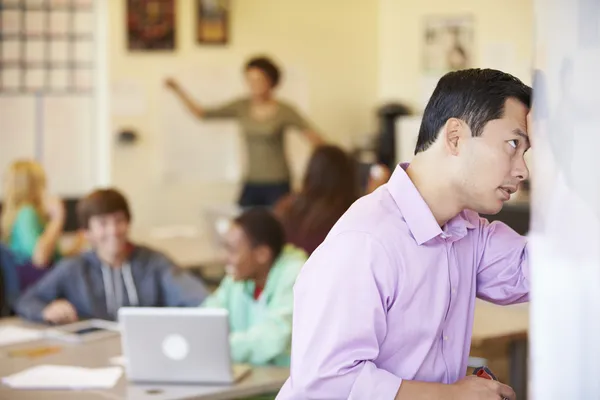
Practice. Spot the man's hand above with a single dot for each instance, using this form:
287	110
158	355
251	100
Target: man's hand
475	388
60	312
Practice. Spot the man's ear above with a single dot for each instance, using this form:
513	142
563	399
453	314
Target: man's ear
453	133
263	254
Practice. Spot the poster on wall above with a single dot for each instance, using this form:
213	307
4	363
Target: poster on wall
448	44
150	25
212	25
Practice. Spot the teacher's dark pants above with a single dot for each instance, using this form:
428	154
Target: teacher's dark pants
262	194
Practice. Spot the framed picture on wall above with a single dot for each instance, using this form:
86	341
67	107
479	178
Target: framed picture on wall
448	43
151	25
212	26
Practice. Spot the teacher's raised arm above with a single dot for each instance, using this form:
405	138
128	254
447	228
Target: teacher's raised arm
263	120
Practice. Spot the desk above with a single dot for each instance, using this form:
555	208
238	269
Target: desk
97	354
498	325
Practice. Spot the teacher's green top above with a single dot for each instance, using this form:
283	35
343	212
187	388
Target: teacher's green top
266	156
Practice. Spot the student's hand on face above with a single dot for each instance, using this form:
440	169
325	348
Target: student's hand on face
476	388
55	208
60	312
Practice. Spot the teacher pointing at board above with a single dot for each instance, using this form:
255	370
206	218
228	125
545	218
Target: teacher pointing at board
263	120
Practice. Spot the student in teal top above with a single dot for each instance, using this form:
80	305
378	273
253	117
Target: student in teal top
32	222
257	291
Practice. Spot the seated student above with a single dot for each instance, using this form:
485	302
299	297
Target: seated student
258	289
31	222
9	281
114	273
330	187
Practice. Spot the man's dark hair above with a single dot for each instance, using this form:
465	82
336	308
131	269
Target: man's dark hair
268	68
475	96
101	202
262	229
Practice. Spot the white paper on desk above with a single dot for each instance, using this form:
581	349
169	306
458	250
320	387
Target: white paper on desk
118	360
14	334
64	377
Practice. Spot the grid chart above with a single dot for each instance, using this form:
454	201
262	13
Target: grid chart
46	46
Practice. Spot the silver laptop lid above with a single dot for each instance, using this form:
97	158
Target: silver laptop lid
183	345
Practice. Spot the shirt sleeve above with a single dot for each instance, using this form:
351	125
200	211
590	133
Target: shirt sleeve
229	110
503	270
27	229
294	119
180	289
270	337
51	287
340	321
218	299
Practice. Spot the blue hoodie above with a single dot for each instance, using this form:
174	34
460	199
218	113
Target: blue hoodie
80	280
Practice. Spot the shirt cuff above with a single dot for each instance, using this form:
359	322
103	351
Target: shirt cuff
375	384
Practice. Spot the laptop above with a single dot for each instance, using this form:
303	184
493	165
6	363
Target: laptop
178	345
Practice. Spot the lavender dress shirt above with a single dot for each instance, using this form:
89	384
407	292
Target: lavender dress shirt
390	295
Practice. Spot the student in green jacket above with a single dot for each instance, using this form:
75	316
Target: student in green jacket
257	290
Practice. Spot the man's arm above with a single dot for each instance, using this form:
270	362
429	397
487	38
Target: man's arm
31	305
270	336
339	322
341	300
503	270
180	289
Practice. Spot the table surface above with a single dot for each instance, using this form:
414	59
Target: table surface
491	322
97	354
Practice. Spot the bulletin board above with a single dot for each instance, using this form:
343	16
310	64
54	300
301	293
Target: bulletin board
47	61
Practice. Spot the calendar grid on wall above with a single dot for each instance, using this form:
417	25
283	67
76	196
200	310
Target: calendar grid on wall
46	46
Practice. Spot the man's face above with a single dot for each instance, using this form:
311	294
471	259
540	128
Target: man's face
243	259
493	164
109	233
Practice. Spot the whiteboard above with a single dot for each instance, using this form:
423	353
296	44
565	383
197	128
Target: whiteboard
67	155
565	226
56	131
205	152
17	130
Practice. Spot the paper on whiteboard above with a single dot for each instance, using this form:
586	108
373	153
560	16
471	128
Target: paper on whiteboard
17	130
127	98
68	124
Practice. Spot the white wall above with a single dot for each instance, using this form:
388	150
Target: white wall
506	22
353	55
332	43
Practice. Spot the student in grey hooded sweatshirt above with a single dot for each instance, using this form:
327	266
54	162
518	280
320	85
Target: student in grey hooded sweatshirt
113	274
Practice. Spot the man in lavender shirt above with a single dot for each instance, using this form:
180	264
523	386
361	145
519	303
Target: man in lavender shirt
383	309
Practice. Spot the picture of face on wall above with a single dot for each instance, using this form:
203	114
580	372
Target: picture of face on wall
151	24
213	19
448	44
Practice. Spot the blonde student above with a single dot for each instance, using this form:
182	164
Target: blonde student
31	222
258	289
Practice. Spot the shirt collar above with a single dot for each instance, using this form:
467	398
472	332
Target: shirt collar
416	212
